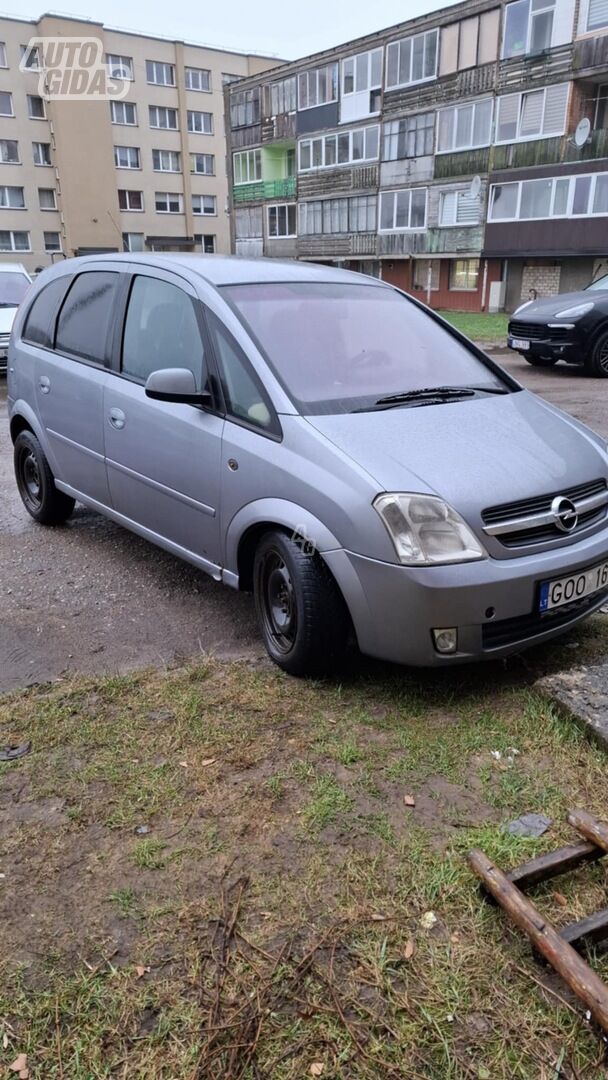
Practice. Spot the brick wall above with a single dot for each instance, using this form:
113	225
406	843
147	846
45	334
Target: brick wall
543	278
401	271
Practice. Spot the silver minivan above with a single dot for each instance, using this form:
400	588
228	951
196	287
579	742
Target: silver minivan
319	438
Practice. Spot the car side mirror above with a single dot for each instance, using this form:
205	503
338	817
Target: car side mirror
177	385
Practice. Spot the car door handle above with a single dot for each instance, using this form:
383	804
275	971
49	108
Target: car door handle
44	384
117	419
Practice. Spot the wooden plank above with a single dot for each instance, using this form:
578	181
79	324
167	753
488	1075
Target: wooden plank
566	961
588	826
590	931
554	863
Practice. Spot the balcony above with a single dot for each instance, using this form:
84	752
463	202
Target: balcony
284	188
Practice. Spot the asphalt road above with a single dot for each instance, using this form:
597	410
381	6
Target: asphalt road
92	597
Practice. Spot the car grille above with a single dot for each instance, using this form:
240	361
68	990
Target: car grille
496	635
519	524
536	332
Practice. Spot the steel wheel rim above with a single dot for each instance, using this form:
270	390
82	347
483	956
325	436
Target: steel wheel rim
278	602
603	356
30	479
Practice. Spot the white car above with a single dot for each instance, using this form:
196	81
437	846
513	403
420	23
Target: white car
14	283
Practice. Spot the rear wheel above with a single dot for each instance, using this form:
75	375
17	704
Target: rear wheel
36	484
301	614
540	361
597	362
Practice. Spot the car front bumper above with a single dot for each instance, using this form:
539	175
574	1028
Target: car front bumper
395	608
558	343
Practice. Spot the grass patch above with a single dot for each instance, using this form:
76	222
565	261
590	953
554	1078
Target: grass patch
478	325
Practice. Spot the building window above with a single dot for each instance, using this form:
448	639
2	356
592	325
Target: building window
126	157
35	107
204	204
535	114
318	87
343	148
6	104
465	127
9	151
208	243
30	57
133	241
14	241
248	222
166	161
123	112
338	215
3	63
200	123
410	137
119	67
244	108
528	27
46	198
362	75
282	220
597	15
197	79
168	202
130	200
412	60
52	241
42	153
161	117
202	163
401	210
458	208
11	198
160	74
584	195
280	97
420	276
247	166
464	275
600	119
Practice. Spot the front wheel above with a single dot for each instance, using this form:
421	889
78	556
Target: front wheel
597	362
301	613
36	484
540	361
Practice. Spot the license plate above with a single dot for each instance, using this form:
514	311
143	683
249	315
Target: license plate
520	343
554	594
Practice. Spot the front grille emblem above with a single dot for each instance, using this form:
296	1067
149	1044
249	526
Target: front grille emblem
565	514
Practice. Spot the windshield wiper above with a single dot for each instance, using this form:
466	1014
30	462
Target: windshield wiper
12	304
430	395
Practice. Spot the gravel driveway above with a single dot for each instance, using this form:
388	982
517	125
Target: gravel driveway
92	597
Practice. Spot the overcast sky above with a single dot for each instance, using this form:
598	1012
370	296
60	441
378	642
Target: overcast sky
272	27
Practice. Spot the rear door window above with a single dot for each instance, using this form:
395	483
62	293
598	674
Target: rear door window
161	331
87	315
40	322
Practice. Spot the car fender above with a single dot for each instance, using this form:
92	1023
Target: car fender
282	513
21	408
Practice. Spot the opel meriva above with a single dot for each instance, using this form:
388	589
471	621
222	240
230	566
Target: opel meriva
315	436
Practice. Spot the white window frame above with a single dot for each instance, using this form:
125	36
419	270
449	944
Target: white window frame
46	209
162	155
189	71
332	75
131	209
52	232
30	57
202	172
335	207
213	238
247	156
390	132
168	196
128	242
521	94
12	233
202	212
550	5
455	223
4	194
455	109
116	62
114	105
464	288
30	99
44	164
3	60
165	110
399	44
286	207
11	161
435	264
598	26
327	137
370	84
205	117
157	66
130	151
403	228
569	211
10	101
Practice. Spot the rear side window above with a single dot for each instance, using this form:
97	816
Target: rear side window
40	321
161	331
86	316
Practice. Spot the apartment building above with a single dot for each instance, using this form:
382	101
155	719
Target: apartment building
84	174
445	154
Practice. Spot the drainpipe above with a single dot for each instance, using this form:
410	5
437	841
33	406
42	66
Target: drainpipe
484	285
429	282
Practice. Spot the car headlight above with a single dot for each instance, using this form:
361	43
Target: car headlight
575	312
426	531
521	308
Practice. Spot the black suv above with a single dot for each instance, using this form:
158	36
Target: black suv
571	327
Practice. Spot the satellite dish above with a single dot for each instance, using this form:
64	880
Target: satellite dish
583	131
475	187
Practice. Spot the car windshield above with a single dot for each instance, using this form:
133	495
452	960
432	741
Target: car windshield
600	283
340	347
13	287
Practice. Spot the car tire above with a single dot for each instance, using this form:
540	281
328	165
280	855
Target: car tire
302	616
597	361
541	361
36	484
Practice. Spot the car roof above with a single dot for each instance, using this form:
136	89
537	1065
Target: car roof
13	268
229	269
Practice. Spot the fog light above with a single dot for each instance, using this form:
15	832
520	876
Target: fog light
446	641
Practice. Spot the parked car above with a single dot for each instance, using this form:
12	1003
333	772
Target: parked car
571	327
317	437
14	283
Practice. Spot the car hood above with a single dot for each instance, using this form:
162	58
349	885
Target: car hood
475	453
7	317
550	305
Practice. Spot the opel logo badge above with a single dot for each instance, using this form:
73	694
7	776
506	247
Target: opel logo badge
564	513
